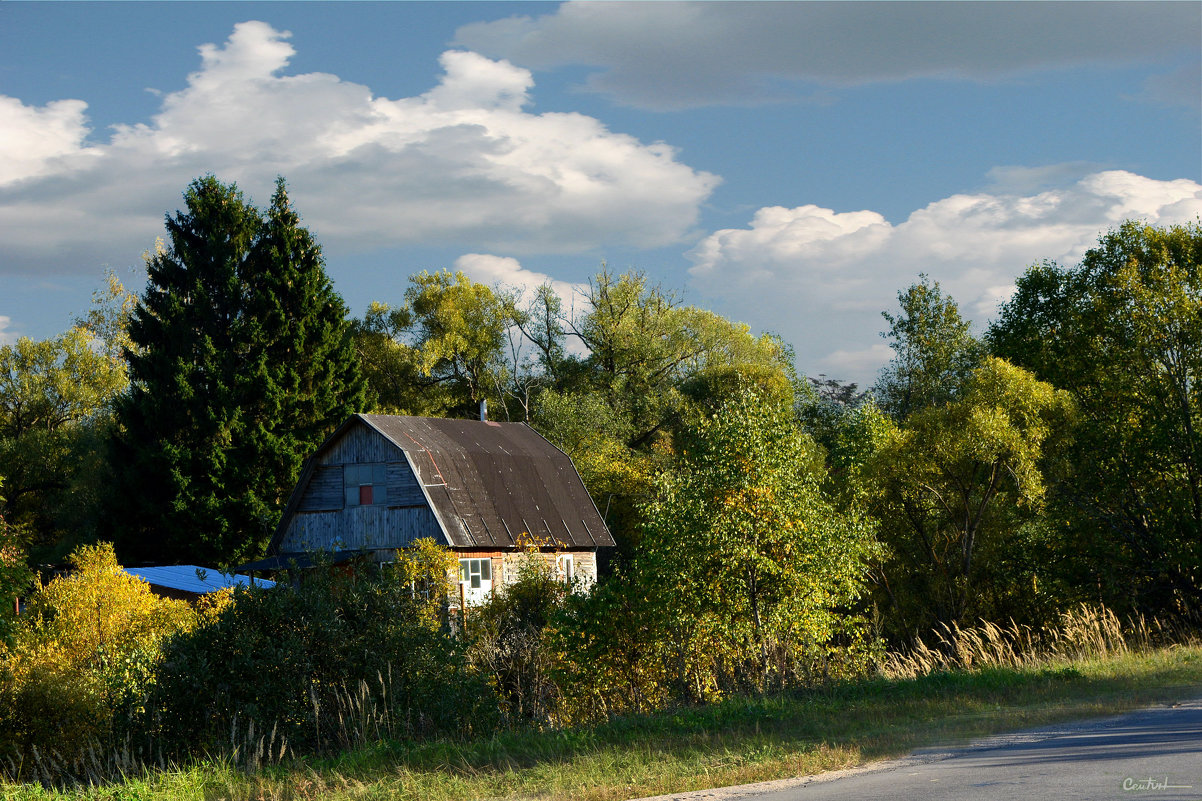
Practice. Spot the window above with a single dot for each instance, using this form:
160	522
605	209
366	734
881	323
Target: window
475	572
565	567
365	484
475	579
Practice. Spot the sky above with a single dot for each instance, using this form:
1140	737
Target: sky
791	166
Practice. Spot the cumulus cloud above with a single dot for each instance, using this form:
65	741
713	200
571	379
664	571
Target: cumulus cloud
820	277
33	141
508	273
678	55
466	162
7	336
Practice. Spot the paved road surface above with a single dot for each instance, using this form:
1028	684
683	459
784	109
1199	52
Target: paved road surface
1150	754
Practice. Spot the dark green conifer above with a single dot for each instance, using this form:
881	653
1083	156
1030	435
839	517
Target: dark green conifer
241	363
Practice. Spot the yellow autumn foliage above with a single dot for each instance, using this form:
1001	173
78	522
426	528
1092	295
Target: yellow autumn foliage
83	652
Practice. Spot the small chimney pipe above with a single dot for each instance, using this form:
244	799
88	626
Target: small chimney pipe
483	410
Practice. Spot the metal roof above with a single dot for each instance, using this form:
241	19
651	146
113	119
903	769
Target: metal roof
286	561
487	483
187	578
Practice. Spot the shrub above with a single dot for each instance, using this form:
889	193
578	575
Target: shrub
82	657
507	635
338	659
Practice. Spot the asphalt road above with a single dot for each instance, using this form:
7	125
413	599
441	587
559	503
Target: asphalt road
1149	754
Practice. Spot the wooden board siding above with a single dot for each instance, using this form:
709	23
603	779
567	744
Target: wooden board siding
585	565
324	491
360	445
403	489
359	527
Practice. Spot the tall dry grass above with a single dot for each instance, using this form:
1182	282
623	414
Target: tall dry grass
1084	632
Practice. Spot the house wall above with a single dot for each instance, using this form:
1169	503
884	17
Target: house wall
506	565
323	521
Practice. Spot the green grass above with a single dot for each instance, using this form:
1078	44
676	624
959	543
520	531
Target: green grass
739	740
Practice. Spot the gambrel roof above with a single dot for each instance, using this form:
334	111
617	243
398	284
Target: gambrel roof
486	483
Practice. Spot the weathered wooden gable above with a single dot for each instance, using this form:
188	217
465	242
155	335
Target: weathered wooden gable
322	519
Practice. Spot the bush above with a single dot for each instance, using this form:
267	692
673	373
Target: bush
340	659
81	659
507	635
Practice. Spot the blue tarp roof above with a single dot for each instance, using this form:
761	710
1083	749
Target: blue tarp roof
188	578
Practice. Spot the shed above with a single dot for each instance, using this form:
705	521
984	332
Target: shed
486	490
189	582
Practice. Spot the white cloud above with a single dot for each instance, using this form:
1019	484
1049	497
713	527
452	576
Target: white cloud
678	55
820	277
464	163
508	273
34	140
7	336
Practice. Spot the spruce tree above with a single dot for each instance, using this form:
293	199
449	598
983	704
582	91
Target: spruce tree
241	362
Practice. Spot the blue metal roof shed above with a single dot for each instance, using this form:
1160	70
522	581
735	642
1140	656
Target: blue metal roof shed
190	581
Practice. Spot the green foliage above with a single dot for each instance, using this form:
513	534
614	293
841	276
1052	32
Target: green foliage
1120	332
241	363
335	659
933	349
748	559
83	655
610	656
15	575
108	318
656	366
55	397
442	351
594	435
957	483
851	433
507	635
644	347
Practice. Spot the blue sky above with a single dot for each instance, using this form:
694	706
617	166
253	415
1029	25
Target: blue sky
789	165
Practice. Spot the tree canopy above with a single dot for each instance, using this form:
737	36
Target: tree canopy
241	362
933	347
1121	332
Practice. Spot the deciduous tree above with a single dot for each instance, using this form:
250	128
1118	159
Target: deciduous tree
741	547
952	482
1121	331
55	400
933	348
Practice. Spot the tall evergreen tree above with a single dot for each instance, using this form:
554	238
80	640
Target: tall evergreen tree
241	362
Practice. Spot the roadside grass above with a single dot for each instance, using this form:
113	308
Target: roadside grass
736	741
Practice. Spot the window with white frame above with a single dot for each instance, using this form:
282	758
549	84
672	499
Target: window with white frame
475	572
475	578
365	484
565	567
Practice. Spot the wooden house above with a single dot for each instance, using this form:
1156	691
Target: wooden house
486	490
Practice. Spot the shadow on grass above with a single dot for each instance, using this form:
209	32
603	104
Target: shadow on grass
875	718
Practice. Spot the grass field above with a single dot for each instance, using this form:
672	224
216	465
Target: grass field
737	741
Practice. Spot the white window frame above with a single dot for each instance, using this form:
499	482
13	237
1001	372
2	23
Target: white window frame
565	568
475	577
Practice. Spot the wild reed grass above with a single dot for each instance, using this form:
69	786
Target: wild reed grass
1084	632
